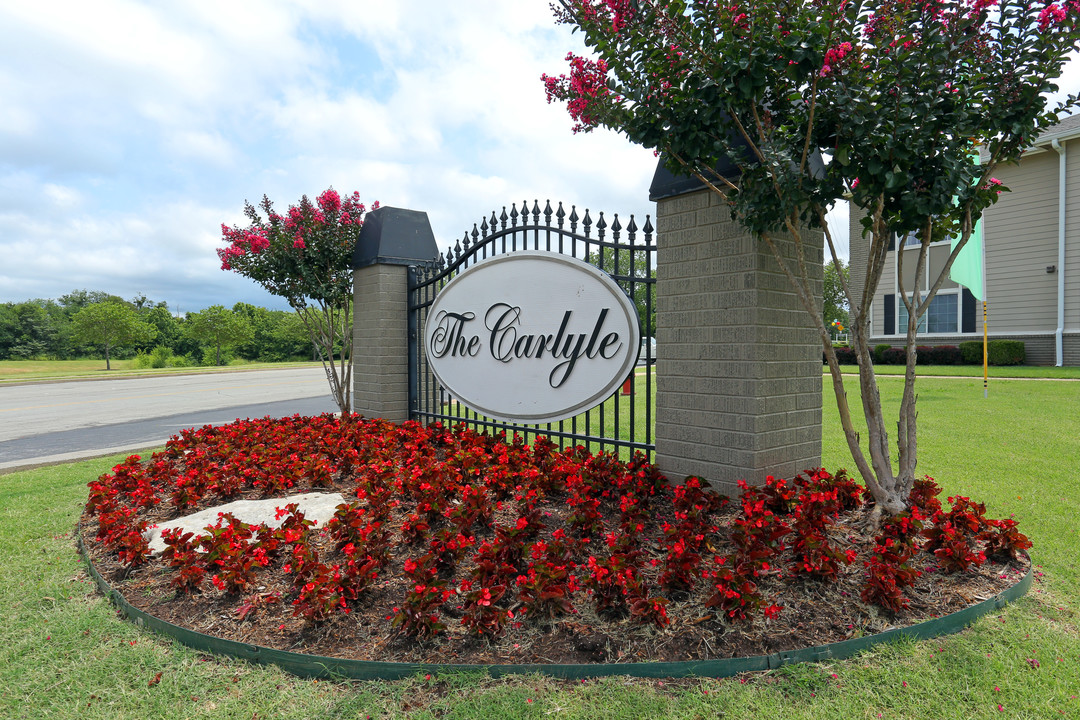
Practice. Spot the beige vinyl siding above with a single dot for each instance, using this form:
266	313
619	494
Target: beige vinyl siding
859	248
1022	240
1072	240
887	286
1020	232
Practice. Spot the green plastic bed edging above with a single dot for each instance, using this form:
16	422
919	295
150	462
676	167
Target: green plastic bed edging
326	667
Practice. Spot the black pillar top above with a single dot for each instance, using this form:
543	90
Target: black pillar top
666	184
395	236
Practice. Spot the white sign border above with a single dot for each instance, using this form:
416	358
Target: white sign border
625	303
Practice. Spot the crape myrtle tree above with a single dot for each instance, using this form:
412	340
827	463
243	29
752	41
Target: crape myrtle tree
305	257
884	102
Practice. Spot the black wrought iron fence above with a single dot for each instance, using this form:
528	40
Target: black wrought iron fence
624	422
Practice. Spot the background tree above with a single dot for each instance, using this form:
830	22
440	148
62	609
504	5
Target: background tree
70	345
27	331
110	325
43	328
277	335
632	264
219	326
168	327
882	100
305	257
834	299
33	329
76	300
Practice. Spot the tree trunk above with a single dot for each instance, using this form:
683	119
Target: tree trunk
323	328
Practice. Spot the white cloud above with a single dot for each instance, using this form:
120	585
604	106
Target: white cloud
208	147
63	198
129	131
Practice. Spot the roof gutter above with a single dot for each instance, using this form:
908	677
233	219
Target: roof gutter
1059	332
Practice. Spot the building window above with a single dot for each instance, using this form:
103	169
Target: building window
941	317
943	313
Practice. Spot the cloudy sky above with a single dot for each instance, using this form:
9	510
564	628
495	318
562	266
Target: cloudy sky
129	131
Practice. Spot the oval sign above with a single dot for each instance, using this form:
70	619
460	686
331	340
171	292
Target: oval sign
532	337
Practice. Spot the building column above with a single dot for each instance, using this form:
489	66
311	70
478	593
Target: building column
391	240
739	379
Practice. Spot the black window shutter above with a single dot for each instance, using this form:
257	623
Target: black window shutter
967	312
892	241
890	314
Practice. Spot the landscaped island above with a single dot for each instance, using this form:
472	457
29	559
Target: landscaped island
464	548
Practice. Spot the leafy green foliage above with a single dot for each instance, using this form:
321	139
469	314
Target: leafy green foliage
40	329
110	324
31	329
834	299
222	327
277	335
629	268
802	104
999	352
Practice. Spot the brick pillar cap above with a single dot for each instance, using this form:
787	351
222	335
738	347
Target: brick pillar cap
395	236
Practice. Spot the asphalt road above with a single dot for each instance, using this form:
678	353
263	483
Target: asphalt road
60	421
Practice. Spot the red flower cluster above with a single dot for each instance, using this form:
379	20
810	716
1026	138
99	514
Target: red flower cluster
833	58
494	532
1051	15
300	224
585	86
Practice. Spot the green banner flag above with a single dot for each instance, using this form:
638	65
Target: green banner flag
967	269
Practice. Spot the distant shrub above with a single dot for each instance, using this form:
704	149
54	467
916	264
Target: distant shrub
209	356
971	352
160	356
941	355
845	355
1006	352
879	349
894	356
998	352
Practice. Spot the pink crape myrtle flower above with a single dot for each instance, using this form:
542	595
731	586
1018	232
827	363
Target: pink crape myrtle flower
330	201
1051	15
586	84
833	56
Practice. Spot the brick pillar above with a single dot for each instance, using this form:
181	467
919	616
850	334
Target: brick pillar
391	240
739	375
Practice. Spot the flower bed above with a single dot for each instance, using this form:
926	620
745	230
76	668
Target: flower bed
465	548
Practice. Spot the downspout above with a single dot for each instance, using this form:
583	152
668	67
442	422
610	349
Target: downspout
1060	331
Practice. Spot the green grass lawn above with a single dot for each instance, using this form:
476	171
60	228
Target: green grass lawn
36	370
994	371
64	653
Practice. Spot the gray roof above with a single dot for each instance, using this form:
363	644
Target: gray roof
1067	129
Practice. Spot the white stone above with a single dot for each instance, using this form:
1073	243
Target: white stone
316	506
